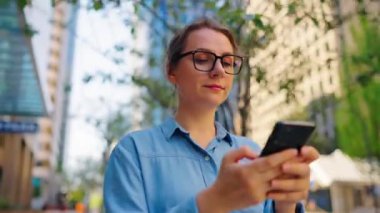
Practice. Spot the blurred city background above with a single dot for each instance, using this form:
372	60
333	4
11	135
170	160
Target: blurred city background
76	75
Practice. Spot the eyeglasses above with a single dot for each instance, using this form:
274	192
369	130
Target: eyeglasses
205	61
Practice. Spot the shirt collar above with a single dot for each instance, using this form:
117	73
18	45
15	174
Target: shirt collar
170	126
222	133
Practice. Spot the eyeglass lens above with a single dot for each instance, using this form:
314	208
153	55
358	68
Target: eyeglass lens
205	61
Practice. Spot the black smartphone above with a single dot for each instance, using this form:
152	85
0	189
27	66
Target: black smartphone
288	134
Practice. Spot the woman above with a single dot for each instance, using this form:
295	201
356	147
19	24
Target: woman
190	163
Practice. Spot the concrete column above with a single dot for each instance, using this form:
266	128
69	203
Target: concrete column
12	156
2	162
29	188
26	179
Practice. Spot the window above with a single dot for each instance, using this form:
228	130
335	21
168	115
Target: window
52	97
311	91
327	47
47	147
331	80
321	86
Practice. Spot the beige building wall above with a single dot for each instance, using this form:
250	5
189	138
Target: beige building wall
310	49
51	136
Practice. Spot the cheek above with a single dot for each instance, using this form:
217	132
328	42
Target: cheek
230	82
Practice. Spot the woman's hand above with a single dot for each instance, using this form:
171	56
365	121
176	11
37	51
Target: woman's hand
241	185
293	185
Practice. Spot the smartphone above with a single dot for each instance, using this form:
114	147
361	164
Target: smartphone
288	134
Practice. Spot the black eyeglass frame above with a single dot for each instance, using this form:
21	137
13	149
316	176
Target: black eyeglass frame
193	52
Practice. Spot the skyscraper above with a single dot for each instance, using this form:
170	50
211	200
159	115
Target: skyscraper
36	52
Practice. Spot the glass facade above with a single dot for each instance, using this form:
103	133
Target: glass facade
20	89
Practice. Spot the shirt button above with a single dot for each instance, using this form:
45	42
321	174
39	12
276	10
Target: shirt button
207	158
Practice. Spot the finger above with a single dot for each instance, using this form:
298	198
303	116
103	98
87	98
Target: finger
290	185
274	160
287	196
296	169
309	154
238	154
271	173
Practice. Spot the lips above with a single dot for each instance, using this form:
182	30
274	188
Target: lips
214	86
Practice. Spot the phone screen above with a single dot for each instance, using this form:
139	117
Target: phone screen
288	134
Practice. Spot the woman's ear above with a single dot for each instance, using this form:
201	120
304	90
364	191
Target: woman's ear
171	75
172	78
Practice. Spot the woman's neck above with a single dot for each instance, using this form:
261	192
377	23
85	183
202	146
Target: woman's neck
199	123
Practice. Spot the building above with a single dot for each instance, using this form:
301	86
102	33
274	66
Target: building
162	24
57	68
21	103
36	50
305	53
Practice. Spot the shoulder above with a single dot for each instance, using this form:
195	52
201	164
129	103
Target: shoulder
245	141
145	141
140	136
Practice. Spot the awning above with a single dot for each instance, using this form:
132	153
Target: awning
340	168
20	88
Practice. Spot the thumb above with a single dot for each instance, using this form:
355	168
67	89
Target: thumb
238	154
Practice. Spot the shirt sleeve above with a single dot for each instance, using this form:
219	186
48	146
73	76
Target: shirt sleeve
123	185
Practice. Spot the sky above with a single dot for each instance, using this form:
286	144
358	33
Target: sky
97	33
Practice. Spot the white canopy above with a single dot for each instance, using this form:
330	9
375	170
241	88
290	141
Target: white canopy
339	167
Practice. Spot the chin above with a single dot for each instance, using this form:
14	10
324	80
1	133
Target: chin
213	102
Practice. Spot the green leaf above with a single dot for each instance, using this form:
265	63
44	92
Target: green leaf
260	75
98	4
298	20
29	31
277	6
118	61
152	61
258	22
119	47
87	78
292	7
22	4
314	20
210	5
67	88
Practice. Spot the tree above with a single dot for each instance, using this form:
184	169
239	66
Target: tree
82	180
358	119
253	32
111	127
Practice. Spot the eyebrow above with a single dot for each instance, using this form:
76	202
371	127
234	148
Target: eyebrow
208	50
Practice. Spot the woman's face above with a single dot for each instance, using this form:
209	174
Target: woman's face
196	88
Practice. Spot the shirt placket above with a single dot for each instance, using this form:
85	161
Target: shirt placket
209	167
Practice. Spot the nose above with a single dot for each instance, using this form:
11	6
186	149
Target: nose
218	69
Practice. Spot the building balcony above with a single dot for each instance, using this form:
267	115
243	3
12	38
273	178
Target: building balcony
43	155
41	172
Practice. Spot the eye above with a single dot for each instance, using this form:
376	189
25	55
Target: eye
228	61
200	58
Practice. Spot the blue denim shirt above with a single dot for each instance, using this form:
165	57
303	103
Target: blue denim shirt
162	170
